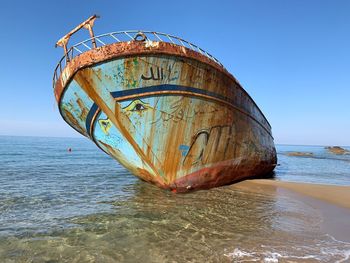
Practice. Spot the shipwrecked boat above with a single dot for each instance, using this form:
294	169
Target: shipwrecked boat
163	107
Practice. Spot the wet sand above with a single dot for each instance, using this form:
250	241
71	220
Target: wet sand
332	201
335	194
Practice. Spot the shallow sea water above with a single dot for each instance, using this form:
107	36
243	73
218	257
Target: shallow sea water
82	206
322	167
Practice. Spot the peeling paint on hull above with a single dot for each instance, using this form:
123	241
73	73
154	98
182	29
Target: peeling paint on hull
169	115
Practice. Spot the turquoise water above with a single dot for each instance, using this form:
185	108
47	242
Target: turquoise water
82	206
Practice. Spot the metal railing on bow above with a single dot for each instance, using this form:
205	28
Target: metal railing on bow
123	36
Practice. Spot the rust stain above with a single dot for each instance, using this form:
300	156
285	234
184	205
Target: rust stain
73	121
135	48
88	87
84	110
189	140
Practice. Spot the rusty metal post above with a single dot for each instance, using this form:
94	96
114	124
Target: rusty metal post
91	32
66	51
87	24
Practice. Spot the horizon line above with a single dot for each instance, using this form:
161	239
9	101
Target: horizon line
83	137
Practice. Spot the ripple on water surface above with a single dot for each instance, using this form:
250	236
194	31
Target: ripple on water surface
83	207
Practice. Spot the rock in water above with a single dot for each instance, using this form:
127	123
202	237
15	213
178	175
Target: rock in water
300	154
337	150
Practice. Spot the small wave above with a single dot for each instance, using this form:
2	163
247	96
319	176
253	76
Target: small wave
329	251
267	257
241	255
346	253
346	258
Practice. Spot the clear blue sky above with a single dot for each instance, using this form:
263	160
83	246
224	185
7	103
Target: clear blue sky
292	56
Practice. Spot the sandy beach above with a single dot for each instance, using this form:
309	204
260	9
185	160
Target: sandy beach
332	201
334	194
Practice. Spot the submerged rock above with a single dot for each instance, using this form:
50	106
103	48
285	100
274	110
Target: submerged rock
301	154
337	150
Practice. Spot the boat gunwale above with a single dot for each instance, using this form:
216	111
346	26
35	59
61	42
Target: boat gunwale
134	48
146	34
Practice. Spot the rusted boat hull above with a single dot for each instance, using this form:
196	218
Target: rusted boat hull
170	115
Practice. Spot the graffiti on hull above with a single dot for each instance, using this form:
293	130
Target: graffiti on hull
169	111
210	145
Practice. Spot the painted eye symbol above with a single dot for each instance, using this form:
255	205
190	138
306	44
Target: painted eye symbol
138	107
